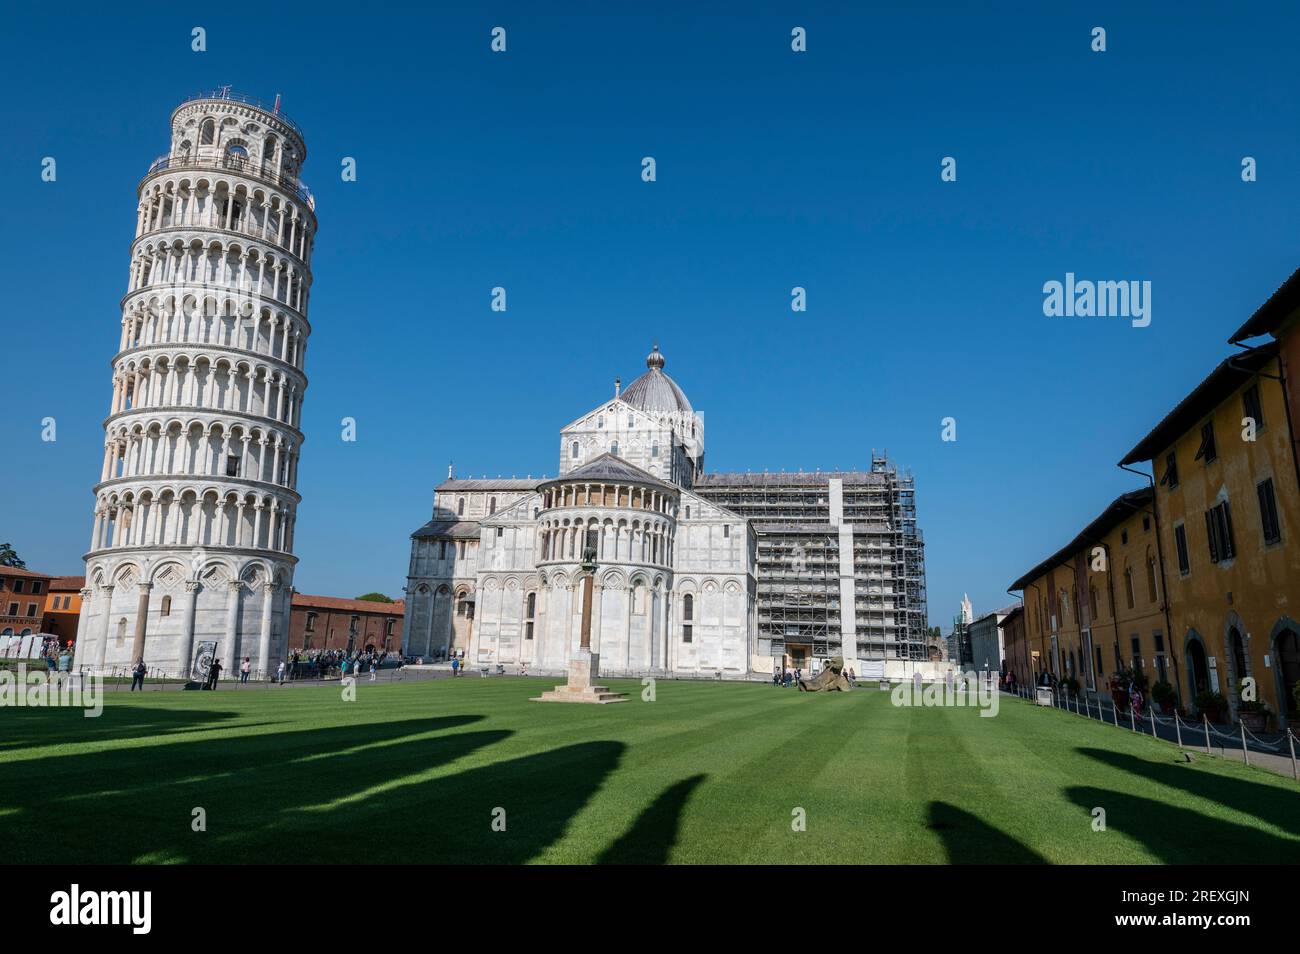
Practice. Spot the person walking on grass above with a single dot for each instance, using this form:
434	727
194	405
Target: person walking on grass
137	676
374	670
244	668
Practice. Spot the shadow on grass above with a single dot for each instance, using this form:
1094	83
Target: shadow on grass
1182	836
971	841
61	725
652	836
118	805
320	796
1271	803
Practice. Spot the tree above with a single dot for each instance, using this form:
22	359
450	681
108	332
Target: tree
376	598
9	557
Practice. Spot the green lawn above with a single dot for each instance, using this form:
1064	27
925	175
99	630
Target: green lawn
707	773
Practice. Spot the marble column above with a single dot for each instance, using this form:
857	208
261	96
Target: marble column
186	652
105	619
79	651
264	639
141	622
229	659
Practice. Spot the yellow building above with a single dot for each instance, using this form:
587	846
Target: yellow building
1228	502
1095	607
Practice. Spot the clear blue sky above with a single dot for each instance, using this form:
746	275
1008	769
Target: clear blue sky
774	169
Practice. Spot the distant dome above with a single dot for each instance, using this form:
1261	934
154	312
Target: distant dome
655	392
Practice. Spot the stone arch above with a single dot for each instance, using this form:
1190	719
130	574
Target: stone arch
1284	645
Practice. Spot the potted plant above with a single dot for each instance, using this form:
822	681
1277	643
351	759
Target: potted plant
1253	714
1212	705
1162	694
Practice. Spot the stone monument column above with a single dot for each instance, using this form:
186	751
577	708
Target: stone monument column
584	666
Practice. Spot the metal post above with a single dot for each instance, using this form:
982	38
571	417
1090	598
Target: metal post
1290	738
1178	729
1245	753
1132	719
1114	711
1205	721
1152	716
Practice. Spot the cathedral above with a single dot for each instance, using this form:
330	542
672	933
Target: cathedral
696	573
495	573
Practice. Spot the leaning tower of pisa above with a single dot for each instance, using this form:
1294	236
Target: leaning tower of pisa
191	557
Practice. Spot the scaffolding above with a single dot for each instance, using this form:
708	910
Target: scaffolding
798	565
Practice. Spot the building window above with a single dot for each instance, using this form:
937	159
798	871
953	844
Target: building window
13	609
442	550
460	507
1268	511
388	626
1207	450
1092	601
1251	407
688	615
462	549
1137	652
18	586
232	465
1170	479
1151	578
311	622
492	506
1123	538
600	420
613	448
1128	586
573	450
726	529
1180	544
166	609
654	449
1218	528
1146	524
688	511
31	609
500	531
530	613
36	587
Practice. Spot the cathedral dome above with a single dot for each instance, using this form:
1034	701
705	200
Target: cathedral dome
654	392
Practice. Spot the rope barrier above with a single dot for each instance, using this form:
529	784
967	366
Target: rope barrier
1244	737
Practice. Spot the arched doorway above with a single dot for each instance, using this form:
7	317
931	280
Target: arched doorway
1198	666
1286	651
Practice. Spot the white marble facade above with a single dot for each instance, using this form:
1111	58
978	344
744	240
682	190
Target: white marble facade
496	574
196	503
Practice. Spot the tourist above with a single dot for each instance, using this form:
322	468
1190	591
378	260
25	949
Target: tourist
279	672
455	666
214	673
137	676
244	668
374	670
776	678
1135	699
853	677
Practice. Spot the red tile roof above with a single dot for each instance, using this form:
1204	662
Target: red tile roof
353	606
